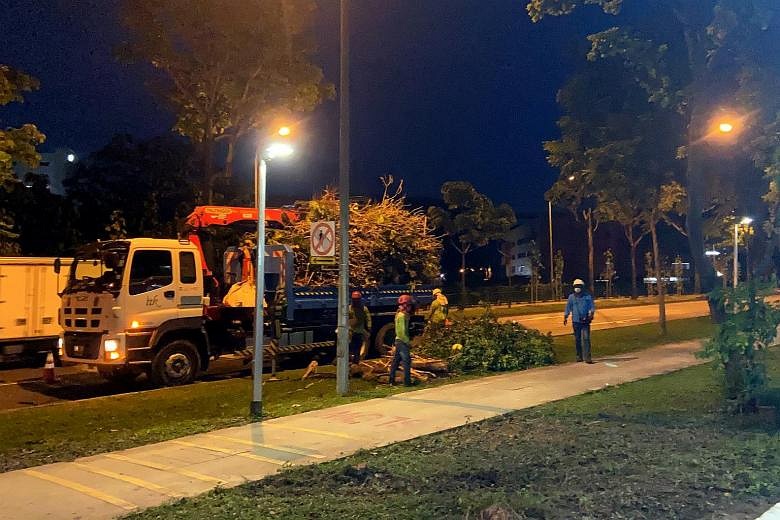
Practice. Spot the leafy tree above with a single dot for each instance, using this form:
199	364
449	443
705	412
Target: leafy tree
389	242
227	67
557	277
148	183
694	57
17	145
470	220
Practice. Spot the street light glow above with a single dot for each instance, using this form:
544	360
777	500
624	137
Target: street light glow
71	157
285	131
571	177
726	127
278	150
746	221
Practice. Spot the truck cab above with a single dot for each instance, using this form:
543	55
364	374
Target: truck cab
135	306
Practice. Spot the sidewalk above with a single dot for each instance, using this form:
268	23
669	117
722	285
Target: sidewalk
111	484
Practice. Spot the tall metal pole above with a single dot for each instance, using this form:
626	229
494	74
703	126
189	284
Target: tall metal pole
549	220
342	349
736	255
256	406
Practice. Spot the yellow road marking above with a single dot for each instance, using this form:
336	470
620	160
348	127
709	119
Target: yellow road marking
230	452
268	446
151	486
311	430
86	490
165	467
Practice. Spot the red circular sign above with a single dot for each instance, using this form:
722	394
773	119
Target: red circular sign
322	239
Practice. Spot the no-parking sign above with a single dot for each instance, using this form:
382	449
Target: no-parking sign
323	239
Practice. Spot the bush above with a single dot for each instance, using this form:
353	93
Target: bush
740	344
487	345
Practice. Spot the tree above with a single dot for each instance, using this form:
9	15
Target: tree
694	57
470	220
17	145
228	67
149	183
609	271
389	242
558	275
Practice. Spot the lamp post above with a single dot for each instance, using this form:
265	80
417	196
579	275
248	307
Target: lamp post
549	221
275	150
744	222
342	336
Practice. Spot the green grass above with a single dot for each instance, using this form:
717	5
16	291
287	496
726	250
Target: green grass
35	436
525	309
610	342
657	448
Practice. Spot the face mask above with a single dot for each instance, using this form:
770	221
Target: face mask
578	289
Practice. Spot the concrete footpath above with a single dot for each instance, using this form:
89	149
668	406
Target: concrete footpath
111	484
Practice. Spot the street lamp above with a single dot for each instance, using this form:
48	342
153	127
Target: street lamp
275	150
746	221
725	127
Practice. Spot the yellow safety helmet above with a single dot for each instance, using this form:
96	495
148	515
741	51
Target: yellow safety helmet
436	291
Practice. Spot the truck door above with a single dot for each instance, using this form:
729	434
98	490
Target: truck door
152	297
190	293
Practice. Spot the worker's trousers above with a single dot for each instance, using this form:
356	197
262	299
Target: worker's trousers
582	340
401	354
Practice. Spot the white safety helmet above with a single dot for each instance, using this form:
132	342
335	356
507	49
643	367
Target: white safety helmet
578	282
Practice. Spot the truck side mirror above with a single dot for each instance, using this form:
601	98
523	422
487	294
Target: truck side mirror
57	265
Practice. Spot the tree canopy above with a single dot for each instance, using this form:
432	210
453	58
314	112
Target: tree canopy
227	67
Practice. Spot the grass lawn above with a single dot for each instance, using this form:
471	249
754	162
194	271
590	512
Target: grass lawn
657	448
524	309
35	436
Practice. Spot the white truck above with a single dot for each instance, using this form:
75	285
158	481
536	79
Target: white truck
29	304
153	306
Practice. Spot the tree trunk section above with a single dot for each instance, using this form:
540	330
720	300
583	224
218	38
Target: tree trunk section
591	276
463	273
231	154
659	280
634	288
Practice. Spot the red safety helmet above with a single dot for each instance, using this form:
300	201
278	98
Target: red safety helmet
357	295
404	299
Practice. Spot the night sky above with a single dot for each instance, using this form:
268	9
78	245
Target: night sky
441	90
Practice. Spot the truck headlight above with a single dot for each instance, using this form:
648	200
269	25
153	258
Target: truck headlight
111	345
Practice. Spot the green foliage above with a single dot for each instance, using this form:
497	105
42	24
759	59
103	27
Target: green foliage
17	145
470	219
741	341
487	345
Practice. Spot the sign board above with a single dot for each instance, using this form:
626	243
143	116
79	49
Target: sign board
322	260
323	240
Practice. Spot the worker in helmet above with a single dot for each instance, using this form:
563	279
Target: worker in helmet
402	340
359	327
440	308
581	308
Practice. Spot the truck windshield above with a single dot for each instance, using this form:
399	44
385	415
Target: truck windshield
99	268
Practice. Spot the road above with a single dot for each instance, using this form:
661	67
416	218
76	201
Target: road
614	318
23	388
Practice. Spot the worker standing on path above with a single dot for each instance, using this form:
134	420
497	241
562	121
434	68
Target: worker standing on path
581	308
440	308
359	326
402	340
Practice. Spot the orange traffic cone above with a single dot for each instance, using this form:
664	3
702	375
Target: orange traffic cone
48	369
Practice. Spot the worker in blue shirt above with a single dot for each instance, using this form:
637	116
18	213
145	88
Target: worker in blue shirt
581	308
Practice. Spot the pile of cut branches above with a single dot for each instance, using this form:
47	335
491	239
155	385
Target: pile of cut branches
423	369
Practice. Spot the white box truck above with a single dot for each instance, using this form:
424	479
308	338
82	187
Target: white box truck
29	304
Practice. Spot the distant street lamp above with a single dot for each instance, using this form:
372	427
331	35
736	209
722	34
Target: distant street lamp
746	221
276	150
725	127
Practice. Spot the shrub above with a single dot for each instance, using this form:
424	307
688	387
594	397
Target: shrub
740	344
488	345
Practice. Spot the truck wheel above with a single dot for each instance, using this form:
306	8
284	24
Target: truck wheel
385	339
120	376
176	364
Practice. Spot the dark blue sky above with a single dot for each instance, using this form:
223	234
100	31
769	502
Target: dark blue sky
442	90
